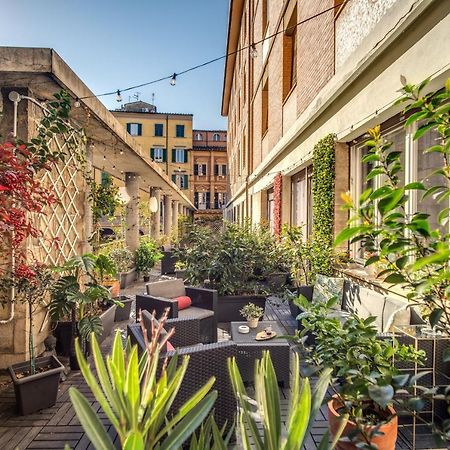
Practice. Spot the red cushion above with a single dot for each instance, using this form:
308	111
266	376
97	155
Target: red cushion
169	346
183	302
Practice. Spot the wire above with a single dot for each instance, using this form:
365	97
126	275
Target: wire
211	61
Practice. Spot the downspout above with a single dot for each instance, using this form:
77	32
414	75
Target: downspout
167	145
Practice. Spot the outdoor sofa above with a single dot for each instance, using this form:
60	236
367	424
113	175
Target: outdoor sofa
164	294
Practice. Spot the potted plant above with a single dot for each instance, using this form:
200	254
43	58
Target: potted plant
252	314
147	255
106	270
35	381
180	269
365	379
124	260
80	306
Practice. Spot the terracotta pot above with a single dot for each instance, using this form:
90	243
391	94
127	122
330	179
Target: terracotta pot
252	323
383	442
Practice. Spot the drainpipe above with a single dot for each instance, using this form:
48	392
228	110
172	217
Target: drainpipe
168	152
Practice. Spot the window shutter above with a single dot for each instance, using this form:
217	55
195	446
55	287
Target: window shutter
195	169
224	170
196	199
208	199
186	181
104	178
129	128
216	169
216	200
174	155
139	129
174	178
152	154
204	169
185	156
164	154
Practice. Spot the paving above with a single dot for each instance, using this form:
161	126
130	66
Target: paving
55	427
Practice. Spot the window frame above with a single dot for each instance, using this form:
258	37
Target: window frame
178	133
158	159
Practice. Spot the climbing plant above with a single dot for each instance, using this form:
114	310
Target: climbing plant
323	178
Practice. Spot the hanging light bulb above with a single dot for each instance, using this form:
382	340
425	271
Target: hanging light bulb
104	157
253	51
114	167
121	152
118	96
173	81
77	103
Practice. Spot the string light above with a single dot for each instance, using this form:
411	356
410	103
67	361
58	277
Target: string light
77	103
118	96
253	51
173	81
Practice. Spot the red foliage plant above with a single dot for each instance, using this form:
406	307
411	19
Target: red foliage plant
277	188
22	195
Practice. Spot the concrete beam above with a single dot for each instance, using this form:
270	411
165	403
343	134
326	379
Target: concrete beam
132	211
167	214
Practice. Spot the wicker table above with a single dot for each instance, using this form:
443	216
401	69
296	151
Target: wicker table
249	349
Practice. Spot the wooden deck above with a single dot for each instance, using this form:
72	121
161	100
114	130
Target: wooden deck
54	427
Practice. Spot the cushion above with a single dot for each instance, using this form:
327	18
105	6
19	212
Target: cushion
396	313
328	287
370	303
183	302
197	313
166	288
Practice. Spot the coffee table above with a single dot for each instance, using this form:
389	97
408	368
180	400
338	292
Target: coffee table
249	350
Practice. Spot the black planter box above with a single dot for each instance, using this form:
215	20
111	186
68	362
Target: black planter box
277	280
39	391
63	335
228	306
123	313
306	291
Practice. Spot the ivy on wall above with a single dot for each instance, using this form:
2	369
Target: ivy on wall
323	178
277	186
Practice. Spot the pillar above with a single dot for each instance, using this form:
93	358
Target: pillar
88	216
167	215
132	211
175	204
156	217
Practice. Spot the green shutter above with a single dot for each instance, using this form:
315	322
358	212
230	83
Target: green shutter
128	128
104	178
152	154
164	154
185	156
186	181
174	178
174	155
139	129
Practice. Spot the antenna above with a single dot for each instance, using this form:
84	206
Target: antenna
153	98
136	95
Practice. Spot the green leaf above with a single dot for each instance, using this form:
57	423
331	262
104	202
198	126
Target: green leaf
415	117
415	185
347	233
394	278
435	316
90	422
423	129
382	395
391	201
134	441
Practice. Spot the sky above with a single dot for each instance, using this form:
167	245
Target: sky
114	44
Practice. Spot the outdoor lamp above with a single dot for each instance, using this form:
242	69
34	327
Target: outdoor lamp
173	81
123	195
153	204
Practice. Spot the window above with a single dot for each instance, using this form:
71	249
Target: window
301	200
200	169
135	129
202	200
216	137
220	170
179	155
290	54
265	108
181	180
104	178
180	131
159	129
199	137
158	154
220	200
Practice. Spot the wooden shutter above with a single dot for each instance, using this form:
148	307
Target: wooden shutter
164	154
174	178
195	169
185	155
174	155
208	200
224	169
129	128
139	129
204	169
186	181
216	200
216	169
152	154
196	199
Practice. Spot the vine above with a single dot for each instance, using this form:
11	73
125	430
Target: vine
323	178
277	188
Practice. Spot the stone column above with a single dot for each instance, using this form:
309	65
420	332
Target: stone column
156	217
175	204
167	215
132	211
88	217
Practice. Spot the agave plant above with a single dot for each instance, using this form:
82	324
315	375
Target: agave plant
137	397
265	407
210	437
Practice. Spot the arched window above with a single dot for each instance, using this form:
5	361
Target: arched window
199	137
216	137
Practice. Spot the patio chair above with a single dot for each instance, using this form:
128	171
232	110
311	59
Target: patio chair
164	294
205	361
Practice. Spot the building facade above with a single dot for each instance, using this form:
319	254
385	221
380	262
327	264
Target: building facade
166	138
300	70
209	170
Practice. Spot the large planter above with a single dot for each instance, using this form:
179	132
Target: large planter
107	318
39	391
127	278
228	306
386	441
63	335
124	312
306	291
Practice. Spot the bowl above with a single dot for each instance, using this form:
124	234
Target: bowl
244	329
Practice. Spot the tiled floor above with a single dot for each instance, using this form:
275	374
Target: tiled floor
57	426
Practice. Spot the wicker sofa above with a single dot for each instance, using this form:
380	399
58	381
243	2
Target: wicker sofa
162	294
205	361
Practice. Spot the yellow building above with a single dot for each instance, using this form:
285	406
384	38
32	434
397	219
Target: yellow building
166	138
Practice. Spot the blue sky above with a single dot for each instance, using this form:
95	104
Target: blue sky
119	43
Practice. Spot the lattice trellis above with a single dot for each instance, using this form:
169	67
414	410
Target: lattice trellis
62	225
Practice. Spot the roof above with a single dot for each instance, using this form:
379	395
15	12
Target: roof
151	113
210	148
234	26
209	131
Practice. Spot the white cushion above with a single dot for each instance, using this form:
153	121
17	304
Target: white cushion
166	288
396	313
370	303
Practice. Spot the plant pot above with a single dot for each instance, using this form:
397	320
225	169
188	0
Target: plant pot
386	441
63	335
107	318
307	292
127	278
253	323
277	280
228	306
146	278
39	391
181	274
123	313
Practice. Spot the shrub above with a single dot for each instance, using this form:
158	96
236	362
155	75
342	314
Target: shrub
122	258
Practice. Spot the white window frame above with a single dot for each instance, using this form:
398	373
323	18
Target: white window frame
179	155
202	200
158	154
199	137
216	137
134	128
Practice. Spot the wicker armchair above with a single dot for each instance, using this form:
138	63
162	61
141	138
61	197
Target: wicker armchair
205	361
160	295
